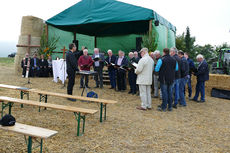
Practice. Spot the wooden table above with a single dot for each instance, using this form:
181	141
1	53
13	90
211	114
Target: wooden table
32	132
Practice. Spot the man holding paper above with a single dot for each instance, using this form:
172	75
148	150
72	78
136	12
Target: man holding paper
98	59
110	63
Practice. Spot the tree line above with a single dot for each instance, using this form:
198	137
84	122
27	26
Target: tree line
185	42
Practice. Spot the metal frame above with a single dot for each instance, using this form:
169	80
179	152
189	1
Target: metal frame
103	107
22	93
29	143
42	98
78	117
4	105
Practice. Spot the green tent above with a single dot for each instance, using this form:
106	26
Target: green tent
108	24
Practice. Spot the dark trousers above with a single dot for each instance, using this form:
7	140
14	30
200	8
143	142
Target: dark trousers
112	77
86	80
121	80
35	72
132	82
200	89
98	75
189	87
71	82
166	90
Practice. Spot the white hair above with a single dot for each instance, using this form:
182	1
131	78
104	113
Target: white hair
109	51
85	50
130	53
146	50
157	52
96	49
199	56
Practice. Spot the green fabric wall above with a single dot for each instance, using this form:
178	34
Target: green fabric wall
123	42
65	39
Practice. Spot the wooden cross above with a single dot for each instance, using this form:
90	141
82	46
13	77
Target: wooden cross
64	50
29	45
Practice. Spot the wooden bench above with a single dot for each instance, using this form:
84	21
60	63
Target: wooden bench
31	132
79	113
44	97
103	102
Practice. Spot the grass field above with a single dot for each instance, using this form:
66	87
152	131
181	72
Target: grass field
5	61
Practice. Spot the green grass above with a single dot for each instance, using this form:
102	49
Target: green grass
4	61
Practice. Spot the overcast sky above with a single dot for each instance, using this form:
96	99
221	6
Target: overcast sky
209	20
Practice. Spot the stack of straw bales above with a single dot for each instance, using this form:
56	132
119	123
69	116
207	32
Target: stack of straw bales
30	26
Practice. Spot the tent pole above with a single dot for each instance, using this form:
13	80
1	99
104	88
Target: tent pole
47	32
74	36
150	26
95	41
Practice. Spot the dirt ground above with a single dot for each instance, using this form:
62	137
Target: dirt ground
201	128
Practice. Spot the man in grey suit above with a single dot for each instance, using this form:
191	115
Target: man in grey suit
98	65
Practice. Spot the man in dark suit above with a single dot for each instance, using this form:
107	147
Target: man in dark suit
121	63
71	63
43	67
98	65
202	75
111	59
35	65
132	76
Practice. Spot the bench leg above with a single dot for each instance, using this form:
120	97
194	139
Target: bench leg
4	105
78	118
41	145
22	95
29	146
103	106
43	97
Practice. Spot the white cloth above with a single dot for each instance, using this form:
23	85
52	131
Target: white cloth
145	94
144	70
59	70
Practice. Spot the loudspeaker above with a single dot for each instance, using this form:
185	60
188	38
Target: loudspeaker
138	43
156	23
76	43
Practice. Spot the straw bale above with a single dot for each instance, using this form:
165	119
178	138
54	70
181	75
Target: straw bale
31	26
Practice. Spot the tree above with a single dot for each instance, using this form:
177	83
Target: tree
150	40
180	42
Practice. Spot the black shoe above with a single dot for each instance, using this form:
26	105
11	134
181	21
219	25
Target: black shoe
111	88
101	87
70	99
87	87
175	106
195	100
96	87
182	105
201	101
129	92
169	109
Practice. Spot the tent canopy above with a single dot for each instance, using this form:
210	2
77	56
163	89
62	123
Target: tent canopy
106	17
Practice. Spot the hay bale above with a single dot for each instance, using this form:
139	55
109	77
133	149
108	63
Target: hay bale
31	26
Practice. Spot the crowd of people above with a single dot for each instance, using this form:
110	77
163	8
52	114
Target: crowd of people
165	76
34	67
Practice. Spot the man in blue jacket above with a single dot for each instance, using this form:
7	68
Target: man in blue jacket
202	75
